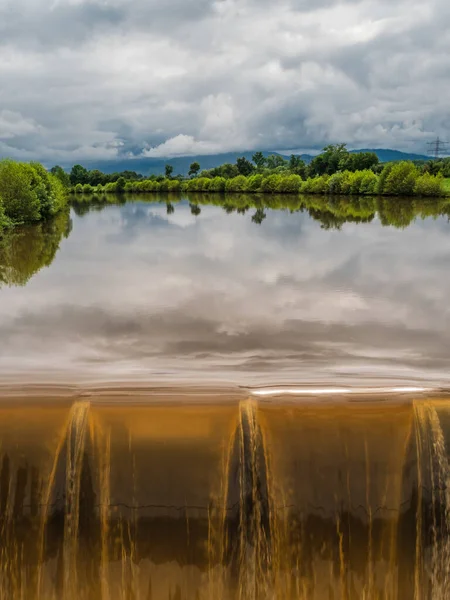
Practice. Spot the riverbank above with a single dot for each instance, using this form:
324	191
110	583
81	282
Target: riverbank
395	179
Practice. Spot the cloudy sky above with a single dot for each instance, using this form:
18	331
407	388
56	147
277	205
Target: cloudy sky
97	79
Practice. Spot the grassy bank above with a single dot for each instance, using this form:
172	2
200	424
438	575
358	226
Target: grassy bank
395	179
28	194
446	186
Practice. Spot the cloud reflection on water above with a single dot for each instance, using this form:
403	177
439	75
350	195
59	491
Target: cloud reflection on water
136	293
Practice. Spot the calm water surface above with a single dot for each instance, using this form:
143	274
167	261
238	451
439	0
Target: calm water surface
145	291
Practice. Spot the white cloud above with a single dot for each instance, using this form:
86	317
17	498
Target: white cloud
182	145
12	124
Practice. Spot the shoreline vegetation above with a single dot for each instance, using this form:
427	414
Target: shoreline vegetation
401	179
31	194
335	171
28	194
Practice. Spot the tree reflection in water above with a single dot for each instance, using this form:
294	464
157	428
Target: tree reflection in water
26	250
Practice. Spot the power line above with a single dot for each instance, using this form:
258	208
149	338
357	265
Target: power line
437	148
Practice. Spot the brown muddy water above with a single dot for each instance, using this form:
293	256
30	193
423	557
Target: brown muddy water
206	406
154	495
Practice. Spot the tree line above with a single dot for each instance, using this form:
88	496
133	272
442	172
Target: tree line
396	179
335	171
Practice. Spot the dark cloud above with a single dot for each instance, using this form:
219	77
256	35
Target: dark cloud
90	79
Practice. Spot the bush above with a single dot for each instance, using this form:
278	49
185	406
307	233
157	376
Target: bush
50	190
429	185
355	180
254	183
206	184
401	179
198	184
4	221
383	177
236	184
19	198
145	186
164	185
110	188
335	183
174	185
369	183
270	184
29	192
316	185
217	184
120	185
290	184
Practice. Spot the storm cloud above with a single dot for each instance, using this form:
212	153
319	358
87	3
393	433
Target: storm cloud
95	79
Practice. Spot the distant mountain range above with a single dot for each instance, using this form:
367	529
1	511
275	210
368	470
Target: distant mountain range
150	166
387	155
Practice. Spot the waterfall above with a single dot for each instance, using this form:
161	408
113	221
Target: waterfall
434	467
248	500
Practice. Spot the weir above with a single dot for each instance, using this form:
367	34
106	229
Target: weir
143	498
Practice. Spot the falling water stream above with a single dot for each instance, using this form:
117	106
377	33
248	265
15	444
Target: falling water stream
232	499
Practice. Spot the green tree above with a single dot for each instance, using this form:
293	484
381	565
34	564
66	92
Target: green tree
270	184
228	171
275	160
254	182
96	177
194	169
244	166
64	177
259	159
290	184
5	223
79	174
297	166
429	185
120	185
332	159
20	201
168	169
236	184
400	180
360	161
